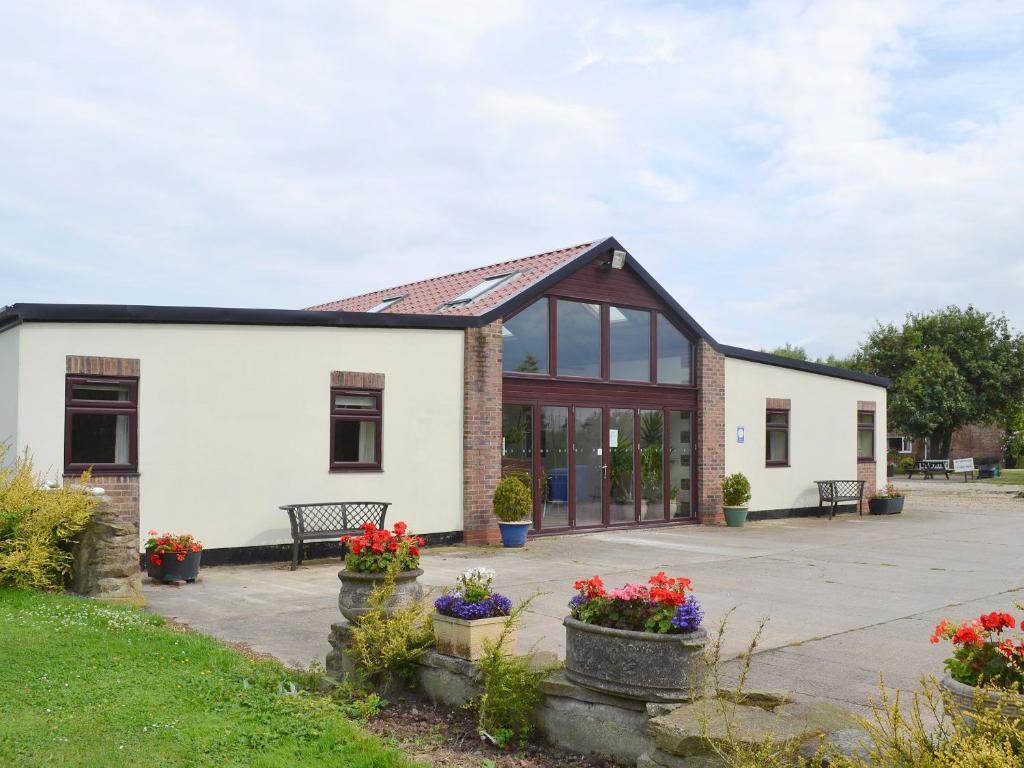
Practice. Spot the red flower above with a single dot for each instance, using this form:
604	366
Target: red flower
997	622
940	631
591	588
414	551
967	634
156	560
181	557
400	528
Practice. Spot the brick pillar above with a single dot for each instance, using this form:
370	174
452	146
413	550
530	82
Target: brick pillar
711	440
481	432
867	471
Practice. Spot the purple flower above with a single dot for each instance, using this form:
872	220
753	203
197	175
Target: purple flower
577	600
457	607
688	615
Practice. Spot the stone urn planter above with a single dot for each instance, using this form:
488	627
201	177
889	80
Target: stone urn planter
891	505
464	638
965	698
635	665
356	586
166	566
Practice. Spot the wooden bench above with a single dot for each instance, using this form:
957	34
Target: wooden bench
928	468
331	520
835	491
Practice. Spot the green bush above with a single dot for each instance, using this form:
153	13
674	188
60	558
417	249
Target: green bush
905	464
38	526
735	490
512	500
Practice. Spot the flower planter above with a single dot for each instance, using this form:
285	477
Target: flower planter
171	568
635	665
353	599
464	638
514	534
886	506
735	517
965	698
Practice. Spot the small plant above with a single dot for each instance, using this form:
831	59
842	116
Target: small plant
982	654
512	500
905	464
38	526
378	548
661	605
160	545
889	492
473	598
735	490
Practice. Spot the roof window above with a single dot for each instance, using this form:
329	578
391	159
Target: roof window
385	304
485	286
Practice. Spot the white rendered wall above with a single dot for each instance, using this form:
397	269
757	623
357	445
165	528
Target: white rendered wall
9	389
234	421
822	431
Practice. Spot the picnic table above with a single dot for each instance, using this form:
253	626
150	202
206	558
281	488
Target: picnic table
928	468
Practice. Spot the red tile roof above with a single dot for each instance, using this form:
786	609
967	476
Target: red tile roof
427	297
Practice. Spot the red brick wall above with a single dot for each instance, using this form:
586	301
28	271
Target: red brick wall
866	471
123	491
977	441
711	440
481	432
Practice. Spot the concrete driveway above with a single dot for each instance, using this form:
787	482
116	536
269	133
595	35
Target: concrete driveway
847	599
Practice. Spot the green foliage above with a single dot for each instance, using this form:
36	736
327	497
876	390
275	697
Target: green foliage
511	687
512	499
38	526
905	464
99	686
949	368
735	490
389	641
788	350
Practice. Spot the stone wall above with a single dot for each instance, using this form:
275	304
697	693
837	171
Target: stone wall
481	439
106	556
711	436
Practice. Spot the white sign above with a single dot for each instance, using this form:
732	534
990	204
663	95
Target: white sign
741	435
963	465
613	438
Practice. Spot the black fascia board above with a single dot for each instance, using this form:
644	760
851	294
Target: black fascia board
767	358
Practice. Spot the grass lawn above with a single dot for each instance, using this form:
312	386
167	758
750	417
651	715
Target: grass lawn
85	684
1008	477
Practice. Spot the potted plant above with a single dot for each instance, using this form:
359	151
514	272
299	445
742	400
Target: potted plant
886	502
469	614
986	669
173	557
513	504
641	641
369	558
735	495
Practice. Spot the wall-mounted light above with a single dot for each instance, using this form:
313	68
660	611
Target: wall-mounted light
618	260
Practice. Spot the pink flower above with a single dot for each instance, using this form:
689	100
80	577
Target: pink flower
629	592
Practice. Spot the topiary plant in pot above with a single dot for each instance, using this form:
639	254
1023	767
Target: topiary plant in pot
735	495
513	504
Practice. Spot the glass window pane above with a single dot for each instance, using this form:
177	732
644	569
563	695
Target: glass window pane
865	444
777	417
100	438
355	442
652	491
524	340
621	470
777	446
356	402
630	339
517	442
674	354
579	339
554	463
588	466
680	465
866	418
118	392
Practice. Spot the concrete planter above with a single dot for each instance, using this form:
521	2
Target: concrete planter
636	665
735	517
965	698
464	638
886	506
353	599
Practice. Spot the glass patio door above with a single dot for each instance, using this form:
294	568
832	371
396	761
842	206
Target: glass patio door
588	467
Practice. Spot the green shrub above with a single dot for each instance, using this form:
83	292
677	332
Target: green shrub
905	464
512	499
735	490
38	526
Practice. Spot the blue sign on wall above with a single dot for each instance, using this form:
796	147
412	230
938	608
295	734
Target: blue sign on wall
741	435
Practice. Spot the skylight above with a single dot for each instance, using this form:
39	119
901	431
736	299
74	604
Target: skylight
486	285
385	304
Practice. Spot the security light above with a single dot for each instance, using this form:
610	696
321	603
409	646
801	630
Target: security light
618	259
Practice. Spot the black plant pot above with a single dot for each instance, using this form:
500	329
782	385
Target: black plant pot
171	568
886	506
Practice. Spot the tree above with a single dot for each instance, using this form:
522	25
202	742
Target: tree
788	350
949	368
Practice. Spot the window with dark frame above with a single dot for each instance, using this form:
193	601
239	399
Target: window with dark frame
355	429
776	438
865	435
101	424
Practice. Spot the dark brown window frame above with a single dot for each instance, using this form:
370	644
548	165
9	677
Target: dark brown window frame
129	407
769	428
605	365
375	415
871	429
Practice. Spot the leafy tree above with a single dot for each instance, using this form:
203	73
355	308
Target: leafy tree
788	350
949	368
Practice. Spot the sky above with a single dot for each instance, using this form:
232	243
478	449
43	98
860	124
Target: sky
790	171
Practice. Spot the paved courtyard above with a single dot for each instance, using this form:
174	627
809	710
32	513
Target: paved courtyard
847	599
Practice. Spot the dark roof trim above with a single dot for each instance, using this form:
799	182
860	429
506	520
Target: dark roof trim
803	365
16	314
592	253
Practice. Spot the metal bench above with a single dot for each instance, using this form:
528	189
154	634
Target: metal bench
835	491
928	468
331	520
